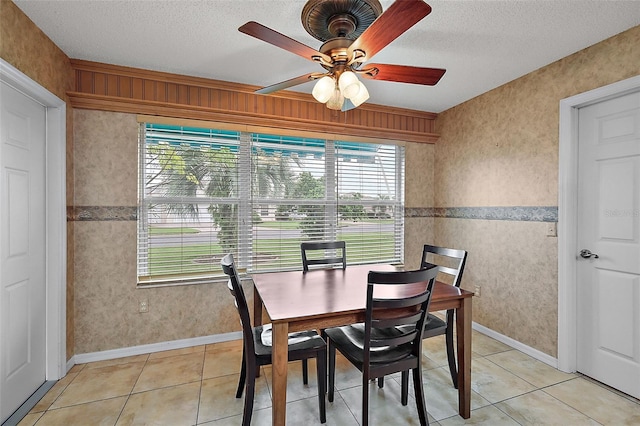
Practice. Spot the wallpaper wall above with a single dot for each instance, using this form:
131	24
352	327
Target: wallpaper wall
418	194
106	297
498	158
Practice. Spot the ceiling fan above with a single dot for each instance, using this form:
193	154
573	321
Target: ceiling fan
352	32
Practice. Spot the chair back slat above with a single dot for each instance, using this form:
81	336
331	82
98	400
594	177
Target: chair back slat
328	254
447	270
393	341
449	261
396	321
235	288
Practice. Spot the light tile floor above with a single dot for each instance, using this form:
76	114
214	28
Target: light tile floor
196	385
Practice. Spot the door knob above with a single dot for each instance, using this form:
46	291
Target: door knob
587	254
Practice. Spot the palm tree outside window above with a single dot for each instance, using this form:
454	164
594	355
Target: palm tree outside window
204	193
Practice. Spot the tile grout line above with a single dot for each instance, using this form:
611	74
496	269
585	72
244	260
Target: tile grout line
542	388
131	391
610	389
521	378
570	406
204	360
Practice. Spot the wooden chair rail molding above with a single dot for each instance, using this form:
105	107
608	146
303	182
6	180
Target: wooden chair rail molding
122	89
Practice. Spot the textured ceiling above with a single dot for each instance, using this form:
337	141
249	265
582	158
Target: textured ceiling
482	43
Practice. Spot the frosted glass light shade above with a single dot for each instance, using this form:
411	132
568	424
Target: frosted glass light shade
361	97
336	100
324	88
349	84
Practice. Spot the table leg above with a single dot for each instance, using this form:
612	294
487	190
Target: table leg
463	329
257	313
257	308
279	372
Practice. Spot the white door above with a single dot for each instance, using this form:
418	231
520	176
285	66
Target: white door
22	248
608	284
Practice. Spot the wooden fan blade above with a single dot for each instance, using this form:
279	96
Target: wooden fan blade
398	18
288	83
403	74
273	37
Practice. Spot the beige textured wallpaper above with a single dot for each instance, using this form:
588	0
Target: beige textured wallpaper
27	48
501	149
419	192
106	297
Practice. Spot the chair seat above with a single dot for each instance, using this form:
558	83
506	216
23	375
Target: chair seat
433	326
434	323
300	341
350	339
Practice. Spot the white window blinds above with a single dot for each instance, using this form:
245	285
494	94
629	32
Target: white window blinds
291	199
370	202
205	193
189	202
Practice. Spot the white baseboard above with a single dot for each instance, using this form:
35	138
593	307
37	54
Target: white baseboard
532	352
217	338
150	348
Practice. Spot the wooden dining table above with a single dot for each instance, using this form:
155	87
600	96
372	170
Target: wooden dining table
318	299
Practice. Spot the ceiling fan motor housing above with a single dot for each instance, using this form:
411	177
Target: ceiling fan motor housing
336	48
327	19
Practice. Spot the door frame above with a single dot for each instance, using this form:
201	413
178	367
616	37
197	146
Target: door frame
56	220
568	213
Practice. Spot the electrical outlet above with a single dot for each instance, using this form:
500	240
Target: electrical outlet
552	229
143	306
476	293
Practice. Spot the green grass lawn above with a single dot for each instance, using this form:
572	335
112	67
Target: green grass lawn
270	253
295	224
279	224
160	230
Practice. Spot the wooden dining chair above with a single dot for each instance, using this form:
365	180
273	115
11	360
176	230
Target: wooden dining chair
450	263
321	257
390	339
315	253
256	352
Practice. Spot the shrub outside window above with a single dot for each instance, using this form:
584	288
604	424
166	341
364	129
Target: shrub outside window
204	193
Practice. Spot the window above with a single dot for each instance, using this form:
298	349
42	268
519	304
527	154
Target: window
205	193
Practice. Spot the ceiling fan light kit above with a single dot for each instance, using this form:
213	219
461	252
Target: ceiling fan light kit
361	97
336	101
323	89
349	84
352	32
